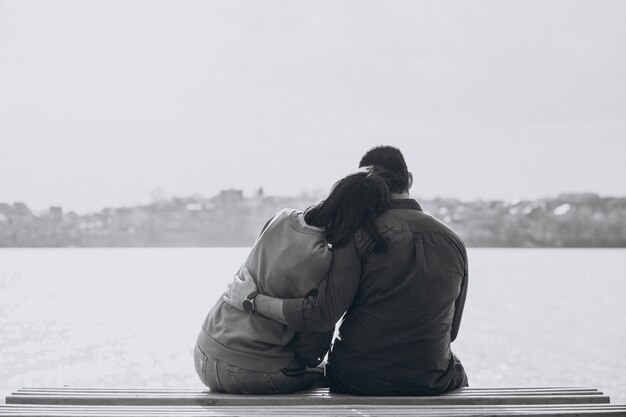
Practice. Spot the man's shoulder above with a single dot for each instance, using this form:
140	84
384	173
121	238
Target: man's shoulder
442	247
416	221
419	224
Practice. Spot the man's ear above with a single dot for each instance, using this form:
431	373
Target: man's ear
410	180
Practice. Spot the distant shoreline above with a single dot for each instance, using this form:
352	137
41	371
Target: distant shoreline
230	220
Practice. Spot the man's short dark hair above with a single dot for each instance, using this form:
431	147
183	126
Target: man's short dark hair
392	161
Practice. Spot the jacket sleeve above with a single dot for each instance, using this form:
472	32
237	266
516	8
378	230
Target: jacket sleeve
459	303
320	312
311	347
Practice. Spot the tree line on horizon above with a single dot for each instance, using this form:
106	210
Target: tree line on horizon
229	219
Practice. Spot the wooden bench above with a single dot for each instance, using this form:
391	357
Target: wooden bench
538	401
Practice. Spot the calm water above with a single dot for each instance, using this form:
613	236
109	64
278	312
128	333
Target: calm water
129	317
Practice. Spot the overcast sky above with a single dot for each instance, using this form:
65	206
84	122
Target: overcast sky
103	101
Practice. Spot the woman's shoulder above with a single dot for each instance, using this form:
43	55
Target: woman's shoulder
293	219
280	218
286	212
298	222
284	215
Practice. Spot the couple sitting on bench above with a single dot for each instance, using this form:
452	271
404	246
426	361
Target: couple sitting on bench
367	250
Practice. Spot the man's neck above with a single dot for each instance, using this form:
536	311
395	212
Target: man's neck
400	196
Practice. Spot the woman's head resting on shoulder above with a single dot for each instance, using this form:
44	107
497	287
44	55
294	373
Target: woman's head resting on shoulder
354	203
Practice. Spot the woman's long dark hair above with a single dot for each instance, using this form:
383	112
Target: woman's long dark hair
354	203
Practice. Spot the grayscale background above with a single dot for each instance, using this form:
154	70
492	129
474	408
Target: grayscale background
143	144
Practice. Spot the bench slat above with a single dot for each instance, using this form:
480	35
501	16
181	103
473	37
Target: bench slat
217	399
191	402
195	390
182	397
300	395
435	411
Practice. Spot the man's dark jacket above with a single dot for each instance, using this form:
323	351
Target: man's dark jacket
395	336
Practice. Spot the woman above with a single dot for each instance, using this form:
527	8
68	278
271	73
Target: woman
241	352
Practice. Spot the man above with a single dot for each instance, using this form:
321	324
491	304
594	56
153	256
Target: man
401	312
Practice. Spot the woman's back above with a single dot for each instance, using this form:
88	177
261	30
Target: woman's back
246	353
289	259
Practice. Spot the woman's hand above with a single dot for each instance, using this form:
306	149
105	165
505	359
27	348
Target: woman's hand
239	289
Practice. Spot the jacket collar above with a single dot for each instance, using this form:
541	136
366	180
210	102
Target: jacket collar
405	203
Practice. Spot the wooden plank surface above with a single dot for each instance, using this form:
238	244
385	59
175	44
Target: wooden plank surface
317	392
191	402
182	397
231	400
196	390
353	410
